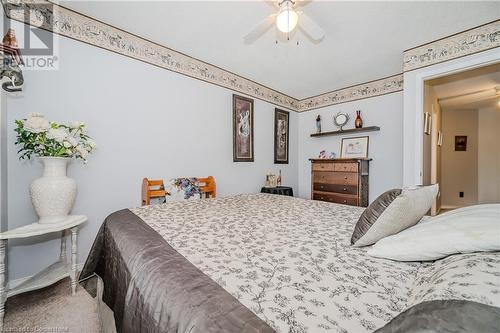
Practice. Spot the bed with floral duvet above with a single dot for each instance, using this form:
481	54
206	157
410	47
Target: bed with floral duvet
269	263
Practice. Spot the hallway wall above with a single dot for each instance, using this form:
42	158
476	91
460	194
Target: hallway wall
460	168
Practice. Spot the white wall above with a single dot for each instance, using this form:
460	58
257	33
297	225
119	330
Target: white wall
460	168
147	122
489	155
385	147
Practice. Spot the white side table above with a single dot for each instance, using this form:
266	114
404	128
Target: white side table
55	272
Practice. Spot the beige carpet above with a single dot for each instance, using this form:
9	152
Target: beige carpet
52	309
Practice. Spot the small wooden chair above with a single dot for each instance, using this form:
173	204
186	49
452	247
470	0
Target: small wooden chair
152	189
209	190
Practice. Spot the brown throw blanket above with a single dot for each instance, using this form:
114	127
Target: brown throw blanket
152	288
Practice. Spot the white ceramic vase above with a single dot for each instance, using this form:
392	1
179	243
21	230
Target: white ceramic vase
53	194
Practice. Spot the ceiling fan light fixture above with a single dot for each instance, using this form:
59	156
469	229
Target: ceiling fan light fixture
287	19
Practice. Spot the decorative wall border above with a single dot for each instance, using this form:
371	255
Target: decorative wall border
482	38
369	89
68	23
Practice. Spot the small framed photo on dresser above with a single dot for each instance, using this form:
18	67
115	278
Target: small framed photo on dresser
354	147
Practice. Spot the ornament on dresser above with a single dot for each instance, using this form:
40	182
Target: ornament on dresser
358	123
54	145
318	124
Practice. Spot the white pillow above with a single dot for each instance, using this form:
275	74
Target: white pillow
464	230
403	212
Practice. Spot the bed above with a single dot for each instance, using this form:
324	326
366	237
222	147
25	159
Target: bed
266	263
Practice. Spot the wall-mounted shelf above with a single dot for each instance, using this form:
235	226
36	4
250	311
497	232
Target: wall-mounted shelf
349	131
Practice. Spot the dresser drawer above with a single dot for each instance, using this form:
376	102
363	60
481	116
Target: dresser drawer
336	188
322	166
345	167
336	198
338	178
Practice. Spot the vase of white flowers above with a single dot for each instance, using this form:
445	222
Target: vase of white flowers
55	145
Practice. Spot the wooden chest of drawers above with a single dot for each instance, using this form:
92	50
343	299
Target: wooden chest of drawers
343	181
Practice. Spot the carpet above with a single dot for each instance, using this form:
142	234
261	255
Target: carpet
52	309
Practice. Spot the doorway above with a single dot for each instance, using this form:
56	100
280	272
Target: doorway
461	141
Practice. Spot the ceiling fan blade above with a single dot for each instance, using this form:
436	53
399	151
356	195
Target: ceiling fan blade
273	4
260	29
302	3
310	28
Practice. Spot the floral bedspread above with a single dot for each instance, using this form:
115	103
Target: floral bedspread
288	260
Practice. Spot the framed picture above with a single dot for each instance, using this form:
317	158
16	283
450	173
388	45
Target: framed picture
460	143
281	136
242	129
354	147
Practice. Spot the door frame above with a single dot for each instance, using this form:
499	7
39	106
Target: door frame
413	103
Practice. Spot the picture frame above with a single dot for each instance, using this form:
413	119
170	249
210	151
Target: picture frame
460	142
243	147
356	147
281	136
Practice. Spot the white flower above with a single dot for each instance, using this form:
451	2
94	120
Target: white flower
72	141
58	134
77	124
35	115
91	143
36	124
66	144
82	152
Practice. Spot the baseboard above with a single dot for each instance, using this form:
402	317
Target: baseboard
14	283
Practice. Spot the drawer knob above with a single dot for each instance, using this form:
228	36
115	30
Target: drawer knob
345	177
345	189
345	201
321	186
321	198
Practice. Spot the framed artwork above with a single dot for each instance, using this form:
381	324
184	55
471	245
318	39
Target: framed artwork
354	147
242	129
460	143
281	136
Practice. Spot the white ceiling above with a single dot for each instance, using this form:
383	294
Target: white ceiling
364	40
470	89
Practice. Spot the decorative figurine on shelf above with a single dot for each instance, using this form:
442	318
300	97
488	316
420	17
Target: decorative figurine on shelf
341	119
358	123
322	154
10	60
318	124
332	155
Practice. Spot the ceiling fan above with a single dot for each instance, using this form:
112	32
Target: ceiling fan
286	20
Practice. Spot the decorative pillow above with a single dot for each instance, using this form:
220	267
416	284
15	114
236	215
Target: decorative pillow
403	212
372	213
464	230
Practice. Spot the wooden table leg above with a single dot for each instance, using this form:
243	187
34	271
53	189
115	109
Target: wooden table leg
3	292
74	258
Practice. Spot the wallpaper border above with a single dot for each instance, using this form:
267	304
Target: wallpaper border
474	40
69	23
66	22
357	92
